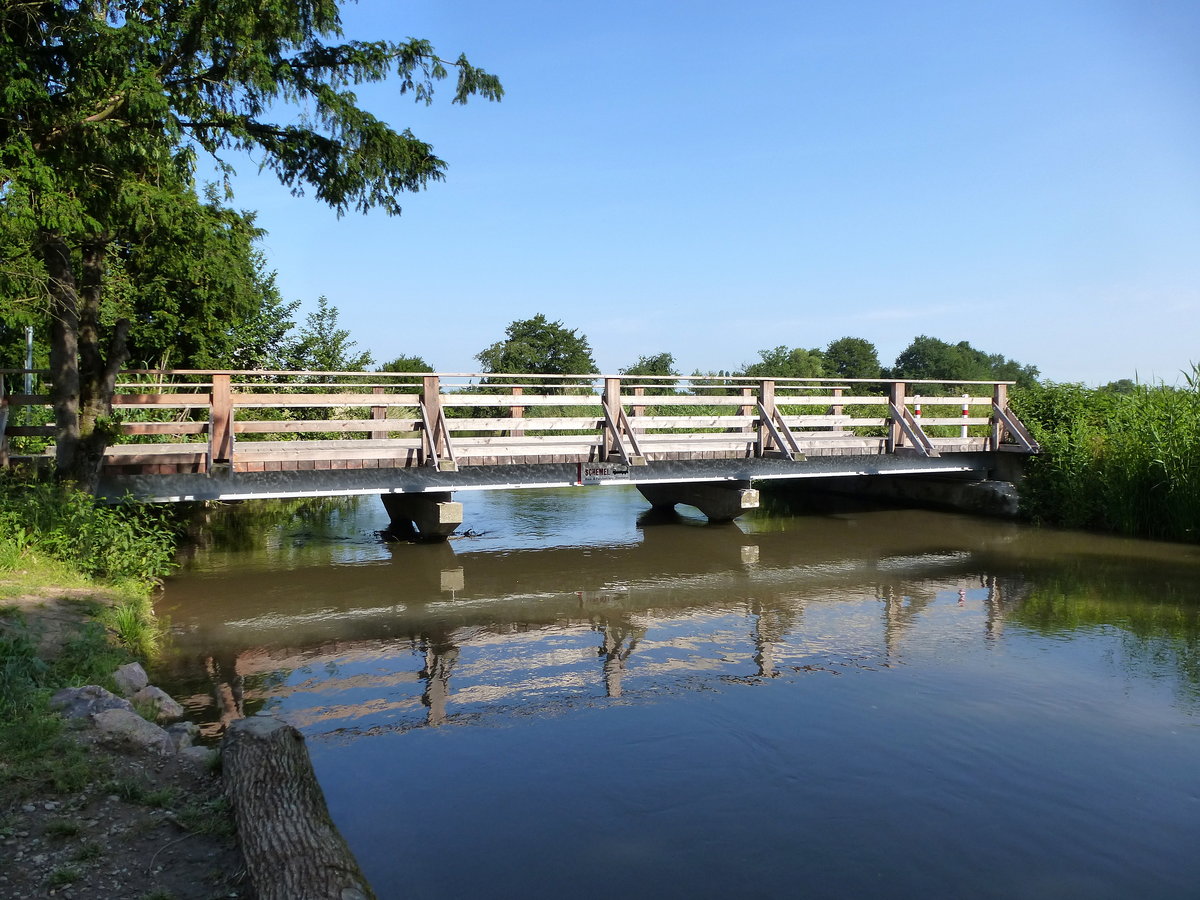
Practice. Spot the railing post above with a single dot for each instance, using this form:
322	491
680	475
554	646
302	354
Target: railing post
895	432
612	402
638	410
431	399
766	397
747	410
837	409
518	412
220	421
999	403
378	413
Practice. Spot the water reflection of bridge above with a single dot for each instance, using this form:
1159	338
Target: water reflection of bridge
684	605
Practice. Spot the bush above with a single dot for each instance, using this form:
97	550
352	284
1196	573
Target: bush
113	542
1122	462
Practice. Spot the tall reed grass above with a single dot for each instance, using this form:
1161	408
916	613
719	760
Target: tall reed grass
1125	463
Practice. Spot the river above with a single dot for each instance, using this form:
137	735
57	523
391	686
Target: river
580	699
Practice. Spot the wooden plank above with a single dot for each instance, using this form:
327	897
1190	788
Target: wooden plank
31	431
524	400
300	426
132	459
926	421
321	400
535	423
162	401
169	428
28	399
803	422
691	400
948	401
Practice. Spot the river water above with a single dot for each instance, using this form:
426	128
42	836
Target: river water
583	700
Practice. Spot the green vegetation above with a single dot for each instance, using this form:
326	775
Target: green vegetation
1126	462
53	538
103	112
539	347
46	520
1159	628
929	357
35	754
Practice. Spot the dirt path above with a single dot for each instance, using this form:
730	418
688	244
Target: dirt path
145	827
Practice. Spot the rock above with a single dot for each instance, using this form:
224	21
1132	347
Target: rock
130	678
165	707
183	734
201	757
123	725
77	703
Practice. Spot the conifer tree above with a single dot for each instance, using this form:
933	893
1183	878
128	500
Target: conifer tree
104	105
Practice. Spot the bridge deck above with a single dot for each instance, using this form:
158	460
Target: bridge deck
219	424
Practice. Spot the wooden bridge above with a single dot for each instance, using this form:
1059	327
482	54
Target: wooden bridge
196	435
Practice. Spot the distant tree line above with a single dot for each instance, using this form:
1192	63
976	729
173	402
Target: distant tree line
540	346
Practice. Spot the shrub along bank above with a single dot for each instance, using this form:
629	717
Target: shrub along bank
96	565
1122	462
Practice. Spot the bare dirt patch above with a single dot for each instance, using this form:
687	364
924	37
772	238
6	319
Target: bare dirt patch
140	831
146	827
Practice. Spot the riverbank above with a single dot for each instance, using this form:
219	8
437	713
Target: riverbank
81	817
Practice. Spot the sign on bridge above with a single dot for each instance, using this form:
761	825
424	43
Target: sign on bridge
597	473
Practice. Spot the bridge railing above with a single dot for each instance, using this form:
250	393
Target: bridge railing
206	420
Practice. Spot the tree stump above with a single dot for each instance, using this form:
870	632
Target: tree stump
291	846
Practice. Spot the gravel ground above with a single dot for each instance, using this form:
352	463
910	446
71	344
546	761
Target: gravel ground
128	836
148	827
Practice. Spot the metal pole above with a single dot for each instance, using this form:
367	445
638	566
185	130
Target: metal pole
28	359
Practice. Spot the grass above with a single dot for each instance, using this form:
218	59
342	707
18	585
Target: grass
35	752
211	817
64	875
1125	463
63	828
88	851
43	521
133	790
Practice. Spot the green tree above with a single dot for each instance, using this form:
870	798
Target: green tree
105	104
852	357
658	364
661	364
1121	386
539	347
929	357
406	364
781	362
324	347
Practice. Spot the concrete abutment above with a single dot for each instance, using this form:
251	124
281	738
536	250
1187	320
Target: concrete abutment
428	516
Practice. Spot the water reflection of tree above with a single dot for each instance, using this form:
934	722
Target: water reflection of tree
1158	630
620	637
774	619
241	526
441	653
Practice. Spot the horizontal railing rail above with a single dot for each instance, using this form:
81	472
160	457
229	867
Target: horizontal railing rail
207	420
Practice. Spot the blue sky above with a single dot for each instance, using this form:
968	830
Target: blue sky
710	179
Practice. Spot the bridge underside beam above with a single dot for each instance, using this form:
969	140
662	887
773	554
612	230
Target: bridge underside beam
350	482
721	501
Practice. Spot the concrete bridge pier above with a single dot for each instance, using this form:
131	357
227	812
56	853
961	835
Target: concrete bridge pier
430	516
721	501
